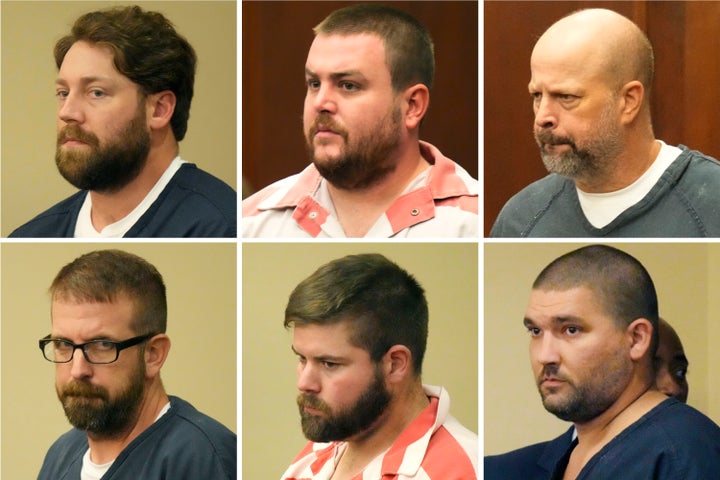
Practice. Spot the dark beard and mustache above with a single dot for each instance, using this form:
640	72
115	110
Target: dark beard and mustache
366	160
89	407
106	168
348	422
588	400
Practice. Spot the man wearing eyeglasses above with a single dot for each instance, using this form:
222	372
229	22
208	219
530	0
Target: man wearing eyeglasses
108	342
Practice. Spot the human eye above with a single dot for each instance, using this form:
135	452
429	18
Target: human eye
312	83
101	346
61	345
533	331
572	330
61	94
567	99
96	93
349	86
680	373
328	365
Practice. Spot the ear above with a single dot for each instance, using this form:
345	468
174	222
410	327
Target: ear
417	101
156	351
160	107
632	94
398	364
640	336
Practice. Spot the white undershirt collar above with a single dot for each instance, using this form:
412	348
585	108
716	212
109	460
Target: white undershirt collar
85	228
602	208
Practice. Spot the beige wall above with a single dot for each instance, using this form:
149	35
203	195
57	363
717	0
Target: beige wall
271	427
686	276
30	181
201	368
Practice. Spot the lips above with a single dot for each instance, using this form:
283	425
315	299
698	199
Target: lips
73	141
324	130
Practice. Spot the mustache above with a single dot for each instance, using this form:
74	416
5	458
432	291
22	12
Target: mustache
76	133
313	402
550	371
326	121
546	137
82	389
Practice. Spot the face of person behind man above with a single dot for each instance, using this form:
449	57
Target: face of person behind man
577	124
352	118
103	140
671	364
101	399
342	392
579	357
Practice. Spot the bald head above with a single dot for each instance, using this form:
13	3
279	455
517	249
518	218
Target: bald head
671	364
600	42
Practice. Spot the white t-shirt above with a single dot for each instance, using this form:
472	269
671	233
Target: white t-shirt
602	208
85	228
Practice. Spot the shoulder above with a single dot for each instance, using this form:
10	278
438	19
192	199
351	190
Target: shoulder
452	452
203	185
693	169
202	426
680	422
194	204
673	441
528	204
56	221
64	454
520	463
535	461
185	444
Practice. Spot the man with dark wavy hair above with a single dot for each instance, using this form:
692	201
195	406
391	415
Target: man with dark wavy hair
360	326
124	88
108	343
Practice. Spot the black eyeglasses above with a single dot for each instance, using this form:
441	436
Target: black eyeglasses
58	350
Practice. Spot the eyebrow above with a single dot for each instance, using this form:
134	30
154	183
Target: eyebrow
85	80
336	75
328	358
528	322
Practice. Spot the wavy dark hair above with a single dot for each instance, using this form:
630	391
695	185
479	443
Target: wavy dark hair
146	49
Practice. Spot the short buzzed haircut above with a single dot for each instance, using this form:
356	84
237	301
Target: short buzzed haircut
409	49
104	275
382	303
621	284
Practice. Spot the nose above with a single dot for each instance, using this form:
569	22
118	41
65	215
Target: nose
307	381
70	109
323	99
80	368
544	350
545	115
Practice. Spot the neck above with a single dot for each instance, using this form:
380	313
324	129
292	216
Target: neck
358	210
104	449
364	447
628	409
631	164
109	207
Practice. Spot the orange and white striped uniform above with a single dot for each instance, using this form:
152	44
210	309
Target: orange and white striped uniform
435	446
441	202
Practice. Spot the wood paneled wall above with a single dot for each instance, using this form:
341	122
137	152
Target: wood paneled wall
276	37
